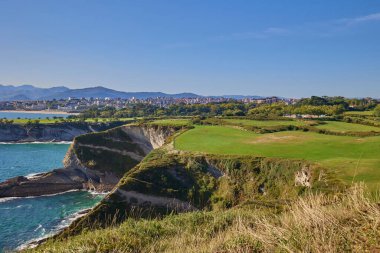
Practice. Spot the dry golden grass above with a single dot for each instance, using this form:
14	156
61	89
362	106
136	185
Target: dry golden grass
316	223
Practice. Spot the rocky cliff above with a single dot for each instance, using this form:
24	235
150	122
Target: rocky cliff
93	162
50	132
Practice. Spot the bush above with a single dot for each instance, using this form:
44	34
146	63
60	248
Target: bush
377	111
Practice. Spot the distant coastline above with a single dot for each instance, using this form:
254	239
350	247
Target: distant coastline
40	112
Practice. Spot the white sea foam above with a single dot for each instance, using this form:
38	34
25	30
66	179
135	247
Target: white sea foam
63	224
98	193
39	226
41	196
49	195
34	175
7	199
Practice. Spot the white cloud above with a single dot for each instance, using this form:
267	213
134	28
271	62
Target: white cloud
321	29
362	19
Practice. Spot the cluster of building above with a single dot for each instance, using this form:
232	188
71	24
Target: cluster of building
82	104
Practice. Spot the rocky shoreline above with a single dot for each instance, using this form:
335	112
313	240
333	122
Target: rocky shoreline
38	241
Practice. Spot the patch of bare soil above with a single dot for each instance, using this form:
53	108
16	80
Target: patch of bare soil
270	138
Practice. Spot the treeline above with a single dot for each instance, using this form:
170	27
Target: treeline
146	110
329	106
363	104
6	121
280	109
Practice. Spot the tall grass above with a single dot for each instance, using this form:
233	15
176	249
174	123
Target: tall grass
346	222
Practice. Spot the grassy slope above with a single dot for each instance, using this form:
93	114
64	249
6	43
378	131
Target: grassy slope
186	177
364	113
347	127
312	224
344	153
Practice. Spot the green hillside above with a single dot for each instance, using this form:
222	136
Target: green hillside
353	157
222	185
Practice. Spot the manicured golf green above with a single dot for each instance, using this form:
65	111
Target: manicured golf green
347	127
354	158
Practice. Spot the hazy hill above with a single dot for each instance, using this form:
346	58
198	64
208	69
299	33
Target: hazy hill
102	92
29	92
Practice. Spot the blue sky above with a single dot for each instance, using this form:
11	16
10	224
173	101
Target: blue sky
291	48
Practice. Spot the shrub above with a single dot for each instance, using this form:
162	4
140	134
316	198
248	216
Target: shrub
377	111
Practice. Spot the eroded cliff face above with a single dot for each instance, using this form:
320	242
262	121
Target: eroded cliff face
110	154
149	138
93	162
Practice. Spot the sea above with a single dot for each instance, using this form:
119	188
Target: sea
29	115
23	220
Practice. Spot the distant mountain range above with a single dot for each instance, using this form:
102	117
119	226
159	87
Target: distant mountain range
30	92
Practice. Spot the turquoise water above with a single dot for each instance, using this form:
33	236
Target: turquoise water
26	159
25	219
23	115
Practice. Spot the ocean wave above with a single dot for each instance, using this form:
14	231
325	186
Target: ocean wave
33	197
69	219
98	193
7	199
34	242
53	194
63	224
38	227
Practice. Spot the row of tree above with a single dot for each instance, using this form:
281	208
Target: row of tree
146	110
353	103
280	109
328	106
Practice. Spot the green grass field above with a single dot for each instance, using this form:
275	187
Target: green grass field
268	123
347	127
172	122
53	121
355	158
364	113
